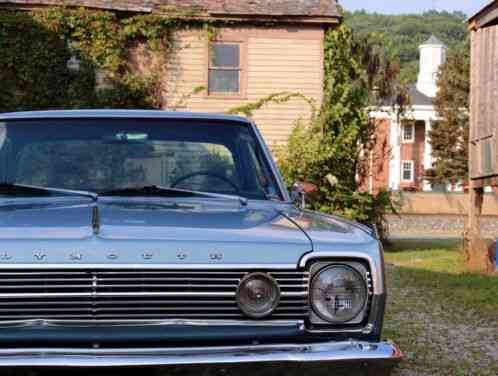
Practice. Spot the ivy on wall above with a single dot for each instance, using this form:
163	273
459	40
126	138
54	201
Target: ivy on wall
35	48
33	69
249	108
331	151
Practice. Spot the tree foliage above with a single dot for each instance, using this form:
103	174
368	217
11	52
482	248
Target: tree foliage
35	47
402	34
329	151
450	136
33	71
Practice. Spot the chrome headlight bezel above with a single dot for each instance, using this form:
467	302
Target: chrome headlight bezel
317	319
269	309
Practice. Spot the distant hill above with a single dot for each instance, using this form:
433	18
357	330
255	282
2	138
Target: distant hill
402	34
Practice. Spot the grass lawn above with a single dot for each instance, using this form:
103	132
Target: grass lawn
445	320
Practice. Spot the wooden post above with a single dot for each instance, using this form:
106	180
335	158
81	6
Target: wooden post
478	257
475	210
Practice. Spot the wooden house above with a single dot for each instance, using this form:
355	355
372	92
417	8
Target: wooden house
270	46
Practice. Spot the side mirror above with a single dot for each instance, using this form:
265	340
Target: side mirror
300	190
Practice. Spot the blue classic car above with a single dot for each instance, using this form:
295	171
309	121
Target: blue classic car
147	238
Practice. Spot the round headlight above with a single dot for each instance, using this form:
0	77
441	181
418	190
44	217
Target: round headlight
338	294
258	295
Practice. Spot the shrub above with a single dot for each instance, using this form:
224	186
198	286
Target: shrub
329	152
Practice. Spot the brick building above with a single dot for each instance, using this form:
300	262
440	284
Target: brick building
403	150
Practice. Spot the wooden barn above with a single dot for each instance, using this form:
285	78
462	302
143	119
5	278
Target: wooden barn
484	124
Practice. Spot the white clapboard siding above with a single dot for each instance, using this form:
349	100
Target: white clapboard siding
278	61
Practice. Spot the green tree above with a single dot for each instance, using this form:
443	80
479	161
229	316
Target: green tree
329	151
402	34
450	136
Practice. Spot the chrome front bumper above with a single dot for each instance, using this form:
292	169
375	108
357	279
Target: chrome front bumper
384	354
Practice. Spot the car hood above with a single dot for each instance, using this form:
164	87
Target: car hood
142	232
149	232
329	233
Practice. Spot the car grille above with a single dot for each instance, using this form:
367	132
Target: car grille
139	294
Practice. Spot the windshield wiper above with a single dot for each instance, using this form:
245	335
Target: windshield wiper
38	191
157	190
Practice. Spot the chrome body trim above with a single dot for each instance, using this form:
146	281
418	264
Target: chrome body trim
149	266
367	329
273	167
384	353
146	323
376	272
142	294
119	114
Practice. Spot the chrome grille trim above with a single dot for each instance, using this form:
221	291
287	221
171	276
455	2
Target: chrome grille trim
131	294
167	322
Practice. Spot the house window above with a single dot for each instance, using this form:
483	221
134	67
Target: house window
409	133
408	171
225	68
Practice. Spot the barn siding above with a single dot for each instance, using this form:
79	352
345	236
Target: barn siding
484	106
278	60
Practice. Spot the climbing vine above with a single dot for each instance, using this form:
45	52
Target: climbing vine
330	150
248	109
36	46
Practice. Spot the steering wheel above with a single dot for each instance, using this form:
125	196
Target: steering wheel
205	173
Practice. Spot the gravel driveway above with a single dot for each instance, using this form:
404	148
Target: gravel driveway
439	338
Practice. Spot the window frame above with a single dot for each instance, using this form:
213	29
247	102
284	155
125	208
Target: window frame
229	40
411	140
412	171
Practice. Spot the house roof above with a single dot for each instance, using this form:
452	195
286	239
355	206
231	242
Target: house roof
417	98
434	41
324	9
484	16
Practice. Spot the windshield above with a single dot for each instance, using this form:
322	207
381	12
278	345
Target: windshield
102	155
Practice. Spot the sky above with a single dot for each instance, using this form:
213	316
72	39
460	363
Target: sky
414	6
